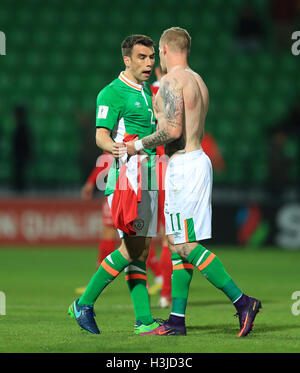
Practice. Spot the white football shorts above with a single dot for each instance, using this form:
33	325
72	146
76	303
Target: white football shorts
145	224
188	188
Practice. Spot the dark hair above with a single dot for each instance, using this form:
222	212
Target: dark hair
132	40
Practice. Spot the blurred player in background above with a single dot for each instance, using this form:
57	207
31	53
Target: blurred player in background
109	239
211	148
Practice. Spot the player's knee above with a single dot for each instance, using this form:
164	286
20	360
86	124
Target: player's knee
135	248
143	257
183	250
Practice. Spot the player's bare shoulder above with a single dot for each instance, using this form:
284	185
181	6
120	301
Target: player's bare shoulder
199	84
195	90
171	82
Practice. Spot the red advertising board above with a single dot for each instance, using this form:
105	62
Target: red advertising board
50	221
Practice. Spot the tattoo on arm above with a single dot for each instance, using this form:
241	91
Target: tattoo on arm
172	98
159	137
173	107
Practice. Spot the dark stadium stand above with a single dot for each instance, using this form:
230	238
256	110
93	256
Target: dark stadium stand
61	53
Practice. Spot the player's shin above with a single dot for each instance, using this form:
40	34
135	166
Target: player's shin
181	279
136	278
212	269
109	269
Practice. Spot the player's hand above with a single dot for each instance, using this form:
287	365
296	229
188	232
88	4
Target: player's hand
87	191
130	147
118	149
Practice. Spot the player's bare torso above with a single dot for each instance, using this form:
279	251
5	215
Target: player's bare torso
195	104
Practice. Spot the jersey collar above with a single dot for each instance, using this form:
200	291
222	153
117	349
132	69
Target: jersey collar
138	87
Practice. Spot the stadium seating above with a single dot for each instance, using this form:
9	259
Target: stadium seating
60	54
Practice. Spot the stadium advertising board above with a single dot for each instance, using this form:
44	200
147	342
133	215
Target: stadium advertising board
73	222
49	221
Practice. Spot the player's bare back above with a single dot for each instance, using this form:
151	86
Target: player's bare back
185	90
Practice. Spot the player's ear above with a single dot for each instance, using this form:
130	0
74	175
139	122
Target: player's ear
127	61
164	48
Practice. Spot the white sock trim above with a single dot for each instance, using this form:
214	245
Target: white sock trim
177	314
110	259
174	262
133	268
237	298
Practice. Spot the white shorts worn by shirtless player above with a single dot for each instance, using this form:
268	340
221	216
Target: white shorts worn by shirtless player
188	187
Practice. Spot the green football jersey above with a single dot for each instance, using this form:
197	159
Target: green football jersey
125	108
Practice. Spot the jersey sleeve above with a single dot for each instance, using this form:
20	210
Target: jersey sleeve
108	108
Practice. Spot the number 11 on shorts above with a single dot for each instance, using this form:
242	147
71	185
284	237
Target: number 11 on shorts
178	221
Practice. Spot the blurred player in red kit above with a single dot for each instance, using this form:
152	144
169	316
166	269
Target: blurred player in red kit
109	238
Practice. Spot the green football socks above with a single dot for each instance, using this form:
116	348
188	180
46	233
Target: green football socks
109	269
181	279
212	268
136	277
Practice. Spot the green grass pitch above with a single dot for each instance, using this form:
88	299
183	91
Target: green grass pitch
39	286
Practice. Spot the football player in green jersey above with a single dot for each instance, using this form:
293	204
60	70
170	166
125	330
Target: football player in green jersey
125	107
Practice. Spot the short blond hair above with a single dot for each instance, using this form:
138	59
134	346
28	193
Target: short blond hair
178	39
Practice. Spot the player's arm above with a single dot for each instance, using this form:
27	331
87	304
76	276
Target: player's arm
87	191
107	117
170	121
107	144
103	139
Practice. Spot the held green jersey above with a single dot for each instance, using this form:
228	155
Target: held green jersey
125	108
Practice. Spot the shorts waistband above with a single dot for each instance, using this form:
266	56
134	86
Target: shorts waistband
189	155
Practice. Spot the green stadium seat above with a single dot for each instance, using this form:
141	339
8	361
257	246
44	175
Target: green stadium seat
45	170
259	172
224	130
5	171
265	63
261	85
254	106
201	43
